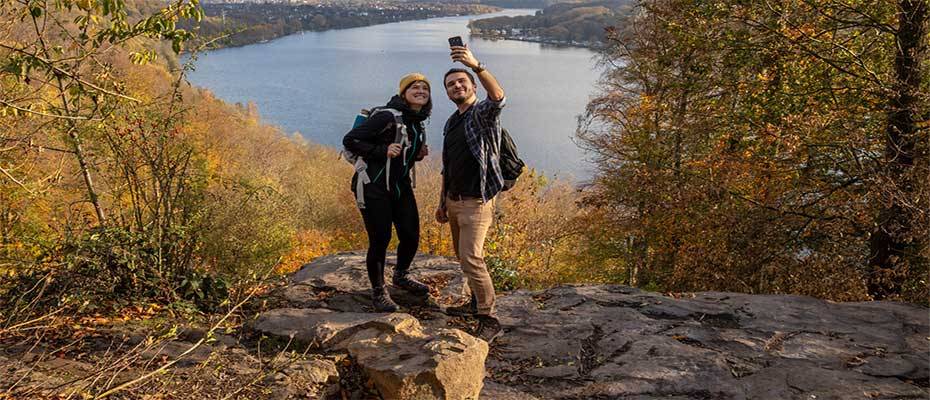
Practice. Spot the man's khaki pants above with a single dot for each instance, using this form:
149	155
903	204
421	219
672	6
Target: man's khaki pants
470	220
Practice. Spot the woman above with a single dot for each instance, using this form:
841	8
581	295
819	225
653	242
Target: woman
388	197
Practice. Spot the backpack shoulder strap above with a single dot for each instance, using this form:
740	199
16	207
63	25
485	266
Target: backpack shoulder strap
400	136
400	129
398	121
398	116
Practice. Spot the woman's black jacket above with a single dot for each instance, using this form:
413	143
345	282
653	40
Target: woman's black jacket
371	138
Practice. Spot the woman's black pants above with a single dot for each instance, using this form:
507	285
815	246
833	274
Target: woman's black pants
382	210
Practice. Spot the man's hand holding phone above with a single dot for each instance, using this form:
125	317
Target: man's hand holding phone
461	53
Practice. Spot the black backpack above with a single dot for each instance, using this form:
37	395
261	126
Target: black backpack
511	164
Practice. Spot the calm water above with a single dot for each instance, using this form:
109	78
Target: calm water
314	83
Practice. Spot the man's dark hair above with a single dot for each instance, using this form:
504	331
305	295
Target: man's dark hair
455	70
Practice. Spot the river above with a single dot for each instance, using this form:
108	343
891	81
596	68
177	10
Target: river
315	83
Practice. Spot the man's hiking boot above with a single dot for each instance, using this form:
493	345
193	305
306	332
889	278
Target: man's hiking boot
464	310
404	281
489	328
382	301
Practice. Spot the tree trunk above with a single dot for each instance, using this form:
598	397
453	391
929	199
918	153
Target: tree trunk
892	244
85	173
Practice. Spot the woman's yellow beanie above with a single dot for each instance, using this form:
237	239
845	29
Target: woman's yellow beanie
409	79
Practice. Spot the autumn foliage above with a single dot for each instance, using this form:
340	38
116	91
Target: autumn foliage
739	147
766	147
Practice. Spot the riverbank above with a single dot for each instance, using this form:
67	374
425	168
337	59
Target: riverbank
249	23
536	39
562	24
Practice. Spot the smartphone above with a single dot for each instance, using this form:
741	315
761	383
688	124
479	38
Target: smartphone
456	41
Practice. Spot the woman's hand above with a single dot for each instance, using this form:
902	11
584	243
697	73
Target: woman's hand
424	151
393	150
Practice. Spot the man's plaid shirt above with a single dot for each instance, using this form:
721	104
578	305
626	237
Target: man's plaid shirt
483	135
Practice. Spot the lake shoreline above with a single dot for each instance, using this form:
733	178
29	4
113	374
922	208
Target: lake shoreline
554	43
247	36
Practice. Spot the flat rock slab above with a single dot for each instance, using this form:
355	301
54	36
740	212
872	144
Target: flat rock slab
323	328
617	342
496	391
608	341
346	273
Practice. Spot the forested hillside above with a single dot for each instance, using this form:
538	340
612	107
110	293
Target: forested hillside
247	23
767	147
575	23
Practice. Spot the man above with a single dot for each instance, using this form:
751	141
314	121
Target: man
471	179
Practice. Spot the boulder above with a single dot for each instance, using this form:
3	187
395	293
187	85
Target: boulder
403	359
430	364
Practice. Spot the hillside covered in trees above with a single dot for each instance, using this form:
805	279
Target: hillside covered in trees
247	23
767	147
575	23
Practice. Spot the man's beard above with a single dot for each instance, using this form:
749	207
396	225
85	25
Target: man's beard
464	98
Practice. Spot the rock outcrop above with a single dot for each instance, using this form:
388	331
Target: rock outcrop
607	341
421	363
403	359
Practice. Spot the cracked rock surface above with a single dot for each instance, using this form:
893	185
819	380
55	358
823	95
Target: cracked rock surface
617	342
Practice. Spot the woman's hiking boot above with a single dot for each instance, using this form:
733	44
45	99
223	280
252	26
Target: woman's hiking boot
489	328
464	310
403	280
382	301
